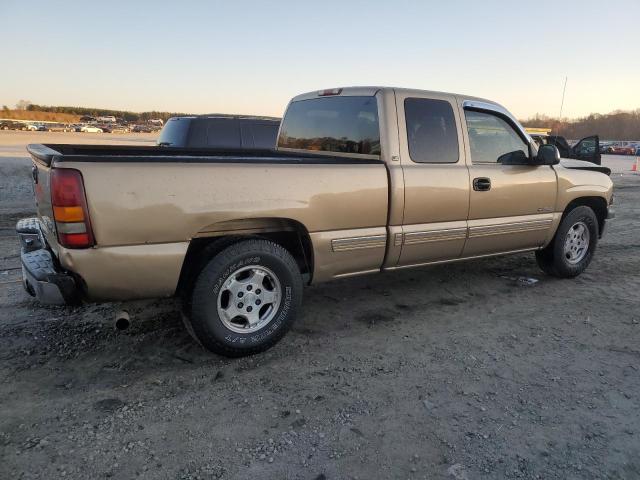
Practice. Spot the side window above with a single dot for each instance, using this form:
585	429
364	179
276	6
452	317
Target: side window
265	136
431	131
223	134
586	146
197	135
247	135
490	136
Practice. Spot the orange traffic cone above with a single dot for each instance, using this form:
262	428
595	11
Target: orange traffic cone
634	167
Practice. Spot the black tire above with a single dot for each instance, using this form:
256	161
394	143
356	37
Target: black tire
544	258
553	260
203	320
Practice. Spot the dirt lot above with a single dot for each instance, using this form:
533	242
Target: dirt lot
456	372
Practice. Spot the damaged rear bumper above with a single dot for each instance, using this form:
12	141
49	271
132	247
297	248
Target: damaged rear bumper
41	276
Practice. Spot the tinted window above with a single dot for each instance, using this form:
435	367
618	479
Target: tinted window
214	133
586	146
223	134
431	131
174	133
332	124
264	136
490	137
197	137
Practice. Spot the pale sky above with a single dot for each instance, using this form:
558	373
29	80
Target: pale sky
251	57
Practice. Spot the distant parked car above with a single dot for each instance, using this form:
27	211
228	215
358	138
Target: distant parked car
106	119
143	129
59	127
31	127
618	150
105	128
12	125
119	129
90	129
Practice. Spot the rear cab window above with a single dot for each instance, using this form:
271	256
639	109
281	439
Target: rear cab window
336	124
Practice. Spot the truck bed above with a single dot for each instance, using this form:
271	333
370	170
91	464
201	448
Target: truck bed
147	204
47	153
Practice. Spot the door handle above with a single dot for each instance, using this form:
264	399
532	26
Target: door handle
481	184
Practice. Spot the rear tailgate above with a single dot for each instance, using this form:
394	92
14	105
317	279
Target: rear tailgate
42	158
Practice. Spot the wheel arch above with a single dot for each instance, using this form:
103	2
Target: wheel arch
597	204
211	240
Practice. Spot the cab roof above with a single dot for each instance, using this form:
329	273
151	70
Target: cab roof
367	91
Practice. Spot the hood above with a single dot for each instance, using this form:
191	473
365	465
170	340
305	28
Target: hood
582	165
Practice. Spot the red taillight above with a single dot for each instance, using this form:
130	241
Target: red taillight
70	209
332	91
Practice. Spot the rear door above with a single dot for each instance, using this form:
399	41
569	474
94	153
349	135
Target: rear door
436	178
511	206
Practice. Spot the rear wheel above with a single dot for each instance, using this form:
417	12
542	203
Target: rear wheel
245	299
573	245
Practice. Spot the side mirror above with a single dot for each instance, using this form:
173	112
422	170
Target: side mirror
517	157
548	155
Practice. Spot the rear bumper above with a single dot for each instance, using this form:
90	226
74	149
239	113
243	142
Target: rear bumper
41	277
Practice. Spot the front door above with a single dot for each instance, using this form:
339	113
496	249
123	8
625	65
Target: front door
511	206
588	149
436	179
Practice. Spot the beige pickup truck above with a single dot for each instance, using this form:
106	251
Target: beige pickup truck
362	180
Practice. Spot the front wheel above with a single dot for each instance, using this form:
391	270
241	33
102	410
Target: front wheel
245	299
573	246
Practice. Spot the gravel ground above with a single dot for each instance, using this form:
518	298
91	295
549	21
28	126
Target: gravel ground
463	371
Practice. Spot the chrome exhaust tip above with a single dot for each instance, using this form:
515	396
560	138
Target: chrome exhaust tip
122	320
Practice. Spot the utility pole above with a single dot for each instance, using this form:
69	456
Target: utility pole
564	89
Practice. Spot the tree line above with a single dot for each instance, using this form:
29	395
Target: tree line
101	112
618	125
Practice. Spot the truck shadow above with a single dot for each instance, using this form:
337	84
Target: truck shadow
84	345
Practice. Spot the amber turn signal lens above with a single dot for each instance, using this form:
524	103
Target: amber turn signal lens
68	214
